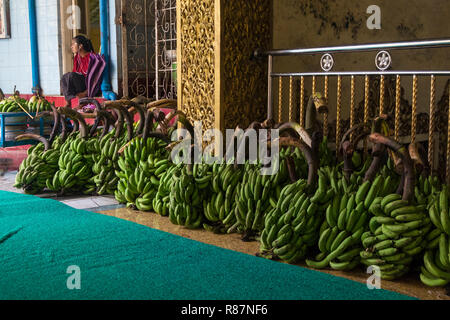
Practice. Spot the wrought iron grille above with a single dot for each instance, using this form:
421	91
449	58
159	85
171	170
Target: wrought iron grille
149	48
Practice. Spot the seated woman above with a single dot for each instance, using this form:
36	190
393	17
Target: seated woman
73	84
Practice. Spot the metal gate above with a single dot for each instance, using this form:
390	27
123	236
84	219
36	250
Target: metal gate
148	32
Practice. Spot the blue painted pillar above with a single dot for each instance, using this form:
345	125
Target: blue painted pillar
104	28
34	46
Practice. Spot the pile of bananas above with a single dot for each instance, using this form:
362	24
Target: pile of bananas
220	207
13	104
293	225
398	233
39	166
106	164
436	269
346	220
186	200
141	168
257	194
75	167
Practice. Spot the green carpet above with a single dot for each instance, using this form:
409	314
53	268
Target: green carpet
40	239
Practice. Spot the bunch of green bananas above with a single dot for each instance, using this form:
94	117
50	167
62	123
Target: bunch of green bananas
38	104
11	104
426	188
186	200
141	168
220	207
106	163
34	171
293	225
346	218
436	269
398	233
257	194
161	201
75	167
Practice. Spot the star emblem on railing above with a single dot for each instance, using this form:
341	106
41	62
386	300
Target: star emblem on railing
326	62
383	60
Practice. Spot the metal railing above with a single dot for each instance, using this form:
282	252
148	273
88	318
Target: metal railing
383	63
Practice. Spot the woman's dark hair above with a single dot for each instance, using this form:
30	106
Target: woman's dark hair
85	42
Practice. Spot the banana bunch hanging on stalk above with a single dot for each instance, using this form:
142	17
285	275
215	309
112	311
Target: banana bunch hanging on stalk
186	200
222	180
161	201
144	162
41	162
76	160
106	155
40	165
141	167
399	227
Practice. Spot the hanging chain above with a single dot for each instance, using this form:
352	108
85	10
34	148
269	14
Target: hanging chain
414	111
366	108
313	85
291	107
352	106
280	99
325	115
302	99
381	95
397	108
432	122
338	114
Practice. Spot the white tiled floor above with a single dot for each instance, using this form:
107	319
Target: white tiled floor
77	202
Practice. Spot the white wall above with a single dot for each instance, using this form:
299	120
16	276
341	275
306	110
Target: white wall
47	26
15	53
15	57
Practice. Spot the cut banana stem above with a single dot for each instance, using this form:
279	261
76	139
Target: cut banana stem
34	137
408	190
78	117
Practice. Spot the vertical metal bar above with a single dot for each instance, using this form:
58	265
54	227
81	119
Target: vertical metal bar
352	105
338	114
157	52
302	100
366	108
381	95
432	123
280	98
414	110
397	108
269	89
325	115
291	107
